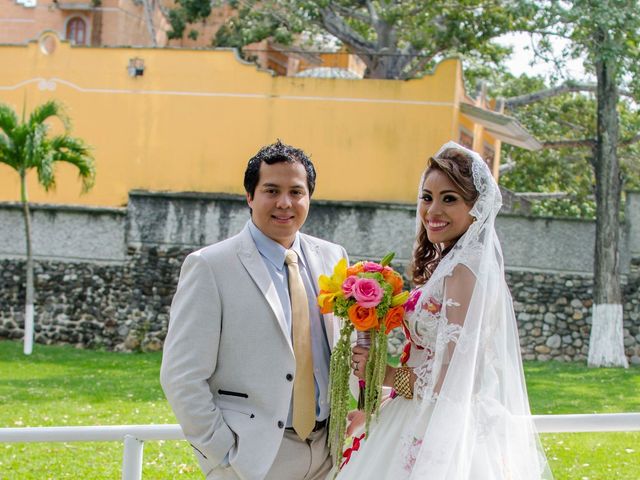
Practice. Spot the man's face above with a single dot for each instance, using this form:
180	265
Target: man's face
280	203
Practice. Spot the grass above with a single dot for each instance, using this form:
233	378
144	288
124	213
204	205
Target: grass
65	386
557	388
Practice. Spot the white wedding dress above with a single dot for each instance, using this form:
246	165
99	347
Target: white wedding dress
470	417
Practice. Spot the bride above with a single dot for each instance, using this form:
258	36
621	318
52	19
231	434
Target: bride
459	407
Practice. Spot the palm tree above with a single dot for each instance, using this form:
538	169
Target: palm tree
26	145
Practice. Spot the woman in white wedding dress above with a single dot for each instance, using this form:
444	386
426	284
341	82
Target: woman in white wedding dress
459	410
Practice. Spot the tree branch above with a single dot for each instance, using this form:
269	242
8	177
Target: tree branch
584	142
629	141
541	195
507	167
587	142
350	12
572	125
419	66
372	12
567	87
337	27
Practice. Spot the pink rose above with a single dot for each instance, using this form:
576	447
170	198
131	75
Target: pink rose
372	267
347	286
367	292
410	304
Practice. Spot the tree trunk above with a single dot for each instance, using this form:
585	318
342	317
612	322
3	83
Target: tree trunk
28	314
148	18
606	344
385	66
96	28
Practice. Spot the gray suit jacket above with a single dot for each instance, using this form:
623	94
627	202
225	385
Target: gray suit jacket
228	362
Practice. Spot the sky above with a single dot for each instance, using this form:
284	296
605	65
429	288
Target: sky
522	56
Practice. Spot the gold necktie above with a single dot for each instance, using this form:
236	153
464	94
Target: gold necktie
304	398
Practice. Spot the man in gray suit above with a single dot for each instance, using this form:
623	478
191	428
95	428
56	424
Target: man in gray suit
246	358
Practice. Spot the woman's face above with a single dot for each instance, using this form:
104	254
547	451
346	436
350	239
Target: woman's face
443	211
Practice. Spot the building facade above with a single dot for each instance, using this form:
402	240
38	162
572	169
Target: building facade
188	120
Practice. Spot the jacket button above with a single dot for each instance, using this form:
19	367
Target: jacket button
289	377
280	424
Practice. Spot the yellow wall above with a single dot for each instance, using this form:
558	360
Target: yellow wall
192	121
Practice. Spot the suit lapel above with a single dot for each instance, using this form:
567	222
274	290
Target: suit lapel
253	263
318	267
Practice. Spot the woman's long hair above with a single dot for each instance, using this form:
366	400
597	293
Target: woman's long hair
456	165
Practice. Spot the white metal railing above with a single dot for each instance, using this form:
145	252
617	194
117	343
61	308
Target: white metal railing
134	436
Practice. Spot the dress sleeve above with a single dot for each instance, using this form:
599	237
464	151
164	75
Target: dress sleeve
458	290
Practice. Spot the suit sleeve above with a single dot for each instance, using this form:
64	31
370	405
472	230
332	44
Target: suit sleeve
189	360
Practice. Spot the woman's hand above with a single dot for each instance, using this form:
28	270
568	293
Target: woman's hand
356	420
359	356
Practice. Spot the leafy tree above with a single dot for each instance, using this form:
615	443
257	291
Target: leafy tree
548	170
606	33
26	145
394	38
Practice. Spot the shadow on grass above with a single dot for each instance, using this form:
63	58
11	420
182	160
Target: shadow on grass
59	372
573	388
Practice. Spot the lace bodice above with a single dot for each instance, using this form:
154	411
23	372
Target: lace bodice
424	320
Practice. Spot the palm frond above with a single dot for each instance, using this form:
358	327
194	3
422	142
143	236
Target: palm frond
76	152
44	167
8	119
7	153
26	145
47	110
35	145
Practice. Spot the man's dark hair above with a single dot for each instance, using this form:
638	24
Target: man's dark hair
276	153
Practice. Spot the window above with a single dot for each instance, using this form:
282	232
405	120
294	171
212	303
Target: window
489	155
466	138
77	31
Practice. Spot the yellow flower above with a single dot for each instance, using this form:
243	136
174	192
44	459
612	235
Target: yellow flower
399	299
331	287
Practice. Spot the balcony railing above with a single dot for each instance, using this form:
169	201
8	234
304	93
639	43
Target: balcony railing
134	436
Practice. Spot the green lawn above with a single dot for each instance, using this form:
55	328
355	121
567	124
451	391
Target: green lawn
66	386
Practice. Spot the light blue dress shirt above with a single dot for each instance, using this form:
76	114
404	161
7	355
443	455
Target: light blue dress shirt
273	255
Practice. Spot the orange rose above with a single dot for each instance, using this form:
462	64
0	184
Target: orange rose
355	269
393	279
363	318
394	318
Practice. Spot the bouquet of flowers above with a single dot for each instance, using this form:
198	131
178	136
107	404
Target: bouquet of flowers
369	297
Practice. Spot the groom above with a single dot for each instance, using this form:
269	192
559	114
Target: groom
246	358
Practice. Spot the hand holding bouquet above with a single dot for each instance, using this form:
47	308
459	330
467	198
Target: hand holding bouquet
369	296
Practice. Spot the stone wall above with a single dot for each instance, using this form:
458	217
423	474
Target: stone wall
99	293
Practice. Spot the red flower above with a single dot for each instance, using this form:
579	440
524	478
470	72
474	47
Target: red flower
355	446
410	304
406	354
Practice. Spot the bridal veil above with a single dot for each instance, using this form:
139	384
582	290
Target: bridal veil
474	419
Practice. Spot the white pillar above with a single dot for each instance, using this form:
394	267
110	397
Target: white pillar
28	330
606	342
132	458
